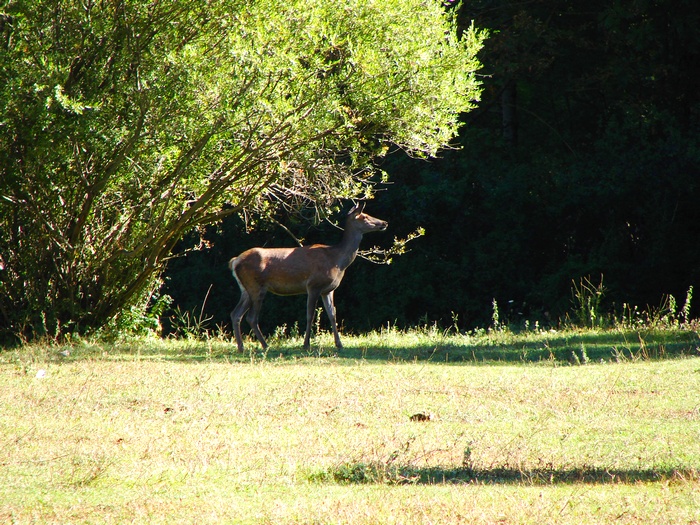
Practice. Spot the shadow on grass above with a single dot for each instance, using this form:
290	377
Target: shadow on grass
571	351
559	347
364	473
575	347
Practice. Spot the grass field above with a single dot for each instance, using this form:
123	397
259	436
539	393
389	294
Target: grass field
418	427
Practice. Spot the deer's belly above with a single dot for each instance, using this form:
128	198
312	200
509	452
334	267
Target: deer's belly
286	288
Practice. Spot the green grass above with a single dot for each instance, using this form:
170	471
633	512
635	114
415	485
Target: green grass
567	427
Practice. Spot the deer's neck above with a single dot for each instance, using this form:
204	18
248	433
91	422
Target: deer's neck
347	249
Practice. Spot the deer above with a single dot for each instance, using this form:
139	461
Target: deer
315	270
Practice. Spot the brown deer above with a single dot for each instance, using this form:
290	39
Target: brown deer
315	270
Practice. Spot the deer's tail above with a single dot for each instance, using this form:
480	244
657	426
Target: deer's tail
232	264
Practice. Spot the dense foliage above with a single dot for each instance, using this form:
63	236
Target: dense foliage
126	124
582	160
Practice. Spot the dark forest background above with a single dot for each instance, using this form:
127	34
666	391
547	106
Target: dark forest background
582	161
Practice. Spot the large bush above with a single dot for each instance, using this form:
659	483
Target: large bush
126	124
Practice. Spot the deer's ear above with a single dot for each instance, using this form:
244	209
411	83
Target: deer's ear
357	209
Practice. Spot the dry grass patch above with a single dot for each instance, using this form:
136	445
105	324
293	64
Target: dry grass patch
164	438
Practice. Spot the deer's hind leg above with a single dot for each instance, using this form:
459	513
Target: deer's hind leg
237	314
254	314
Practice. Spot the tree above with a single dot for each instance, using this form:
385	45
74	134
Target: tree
126	124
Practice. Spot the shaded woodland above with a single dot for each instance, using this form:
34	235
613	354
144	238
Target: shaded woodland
581	161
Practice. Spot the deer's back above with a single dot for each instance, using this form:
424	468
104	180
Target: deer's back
288	271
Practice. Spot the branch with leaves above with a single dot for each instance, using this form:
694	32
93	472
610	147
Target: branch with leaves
385	255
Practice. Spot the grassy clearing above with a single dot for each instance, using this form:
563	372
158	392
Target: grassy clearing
185	432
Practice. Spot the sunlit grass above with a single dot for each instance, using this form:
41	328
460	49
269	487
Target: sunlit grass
152	431
564	346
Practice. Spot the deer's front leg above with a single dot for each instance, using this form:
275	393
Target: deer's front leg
311	301
329	305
